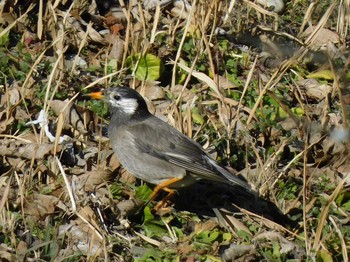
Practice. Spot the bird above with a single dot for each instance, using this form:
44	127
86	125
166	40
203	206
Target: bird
154	151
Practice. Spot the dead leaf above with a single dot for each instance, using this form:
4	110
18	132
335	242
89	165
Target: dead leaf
313	89
5	121
85	239
236	251
184	249
129	207
6	253
207	225
181	9
152	91
127	177
9	147
117	49
14	96
288	124
323	37
286	245
225	83
73	115
91	179
274	5
232	221
39	206
21	250
186	95
21	115
113	163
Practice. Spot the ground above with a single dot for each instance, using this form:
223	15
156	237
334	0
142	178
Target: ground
265	93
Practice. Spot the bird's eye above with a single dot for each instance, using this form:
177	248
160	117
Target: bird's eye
117	97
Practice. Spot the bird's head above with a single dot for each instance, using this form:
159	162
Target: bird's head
123	101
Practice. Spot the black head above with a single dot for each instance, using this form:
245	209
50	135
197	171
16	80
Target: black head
126	102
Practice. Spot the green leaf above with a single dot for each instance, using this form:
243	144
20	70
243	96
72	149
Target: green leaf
99	106
281	114
148	216
224	45
116	190
4	59
151	226
179	233
226	237
245	235
4	40
208	236
276	249
197	118
298	111
343	200
234	79
323	256
322	74
153	229
143	192
25	67
158	255
346	206
212	259
148	67
113	64
20	47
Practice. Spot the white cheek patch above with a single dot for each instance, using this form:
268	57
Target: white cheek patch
128	105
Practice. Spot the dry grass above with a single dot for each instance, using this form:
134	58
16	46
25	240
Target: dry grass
286	135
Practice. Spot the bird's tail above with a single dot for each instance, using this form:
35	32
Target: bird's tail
231	178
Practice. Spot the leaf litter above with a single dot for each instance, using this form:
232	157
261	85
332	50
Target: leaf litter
264	105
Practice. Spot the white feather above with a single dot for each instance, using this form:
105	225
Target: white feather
128	105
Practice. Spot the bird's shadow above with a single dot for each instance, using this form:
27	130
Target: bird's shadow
202	197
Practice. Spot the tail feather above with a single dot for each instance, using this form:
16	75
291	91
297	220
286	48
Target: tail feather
230	178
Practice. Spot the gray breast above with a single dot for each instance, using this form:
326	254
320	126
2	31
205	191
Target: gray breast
143	165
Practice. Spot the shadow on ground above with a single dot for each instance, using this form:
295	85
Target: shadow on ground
202	197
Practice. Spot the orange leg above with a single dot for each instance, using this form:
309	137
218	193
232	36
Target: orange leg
165	199
164	186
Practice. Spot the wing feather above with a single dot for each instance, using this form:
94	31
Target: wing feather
178	149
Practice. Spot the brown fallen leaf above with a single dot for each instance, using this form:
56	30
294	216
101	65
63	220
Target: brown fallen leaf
15	148
313	89
91	179
225	83
127	177
323	37
186	95
286	245
6	253
38	206
6	121
207	225
117	43
184	249
21	251
129	207
14	95
73	115
237	251
113	162
85	239
152	91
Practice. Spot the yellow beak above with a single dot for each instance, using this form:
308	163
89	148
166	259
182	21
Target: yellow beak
96	95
